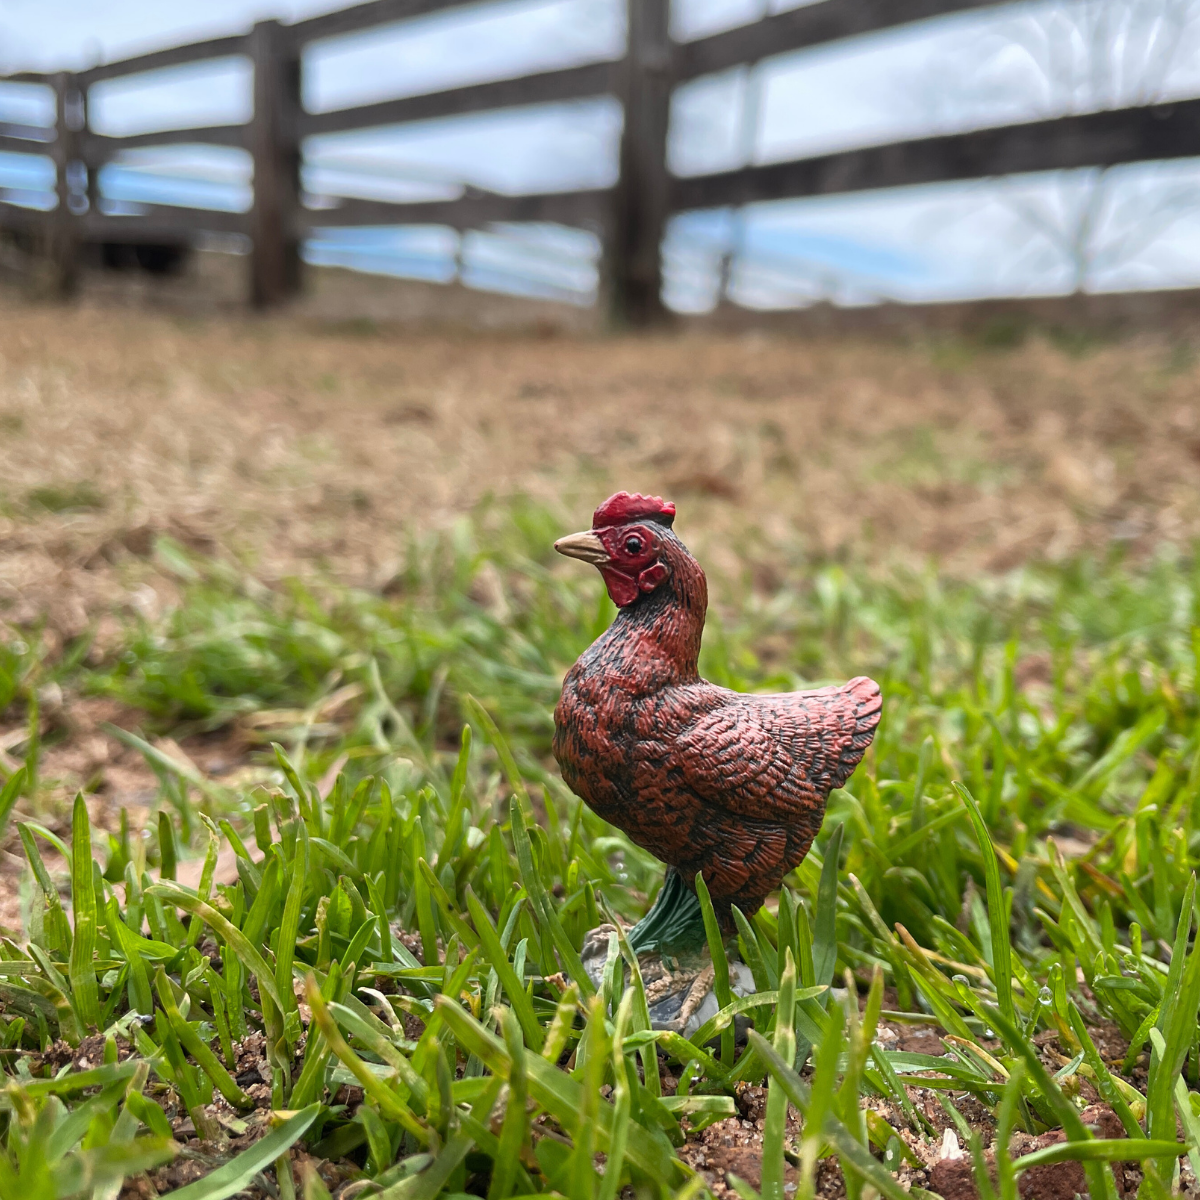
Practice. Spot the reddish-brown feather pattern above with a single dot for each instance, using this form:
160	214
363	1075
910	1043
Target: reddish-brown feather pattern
707	779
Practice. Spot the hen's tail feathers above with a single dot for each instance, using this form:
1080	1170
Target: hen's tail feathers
867	702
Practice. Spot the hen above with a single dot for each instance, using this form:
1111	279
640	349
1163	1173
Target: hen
707	779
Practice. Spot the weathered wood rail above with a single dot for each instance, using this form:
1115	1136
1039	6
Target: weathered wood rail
630	217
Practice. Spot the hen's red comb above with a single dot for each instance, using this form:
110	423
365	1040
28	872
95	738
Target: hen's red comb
630	506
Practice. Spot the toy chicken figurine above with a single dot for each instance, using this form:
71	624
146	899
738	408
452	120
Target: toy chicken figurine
711	781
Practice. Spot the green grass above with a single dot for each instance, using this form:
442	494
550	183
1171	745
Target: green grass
66	498
1055	703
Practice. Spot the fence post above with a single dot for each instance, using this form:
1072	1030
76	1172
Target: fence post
275	147
642	195
92	164
63	232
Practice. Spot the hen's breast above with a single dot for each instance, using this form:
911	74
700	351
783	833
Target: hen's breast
592	722
615	747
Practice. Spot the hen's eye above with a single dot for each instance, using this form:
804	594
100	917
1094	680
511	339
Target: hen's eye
633	545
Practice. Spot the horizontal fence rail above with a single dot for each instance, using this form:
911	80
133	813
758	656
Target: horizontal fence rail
547	87
366	16
99	148
1102	139
630	217
469	211
21	145
160	60
26	133
155	223
812	25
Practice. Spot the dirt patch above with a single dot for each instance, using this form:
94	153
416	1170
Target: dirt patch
734	1146
952	1175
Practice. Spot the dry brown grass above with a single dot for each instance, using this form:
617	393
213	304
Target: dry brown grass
308	447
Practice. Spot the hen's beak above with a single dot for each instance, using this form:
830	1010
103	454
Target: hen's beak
586	546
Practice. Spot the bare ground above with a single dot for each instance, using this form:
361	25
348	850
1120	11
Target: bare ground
305	446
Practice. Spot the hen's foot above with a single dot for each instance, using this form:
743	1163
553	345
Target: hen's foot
679	991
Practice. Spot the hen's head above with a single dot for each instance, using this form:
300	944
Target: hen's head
631	543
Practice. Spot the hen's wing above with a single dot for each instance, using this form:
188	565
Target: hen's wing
774	757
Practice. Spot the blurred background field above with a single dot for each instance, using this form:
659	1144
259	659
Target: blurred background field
143	450
304	445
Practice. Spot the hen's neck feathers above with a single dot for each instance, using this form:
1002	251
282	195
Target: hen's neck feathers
657	637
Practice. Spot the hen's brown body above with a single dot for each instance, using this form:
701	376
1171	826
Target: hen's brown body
709	780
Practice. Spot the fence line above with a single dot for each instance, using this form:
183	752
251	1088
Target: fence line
161	223
570	83
469	211
367	16
811	25
99	148
159	60
630	217
1150	133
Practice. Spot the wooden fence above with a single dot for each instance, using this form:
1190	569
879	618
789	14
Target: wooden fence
629	217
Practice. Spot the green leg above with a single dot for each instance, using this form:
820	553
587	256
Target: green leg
674	925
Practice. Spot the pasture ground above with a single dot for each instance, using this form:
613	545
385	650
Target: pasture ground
220	532
310	448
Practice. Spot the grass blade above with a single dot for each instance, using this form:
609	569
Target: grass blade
503	753
1177	1030
1190	1122
390	1104
82	970
10	793
622	1100
1103	1151
1104	1081
514	988
852	1154
716	950
825	949
141	999
536	888
997	910
191	1041
1100	1180
285	947
775	1122
516	1118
